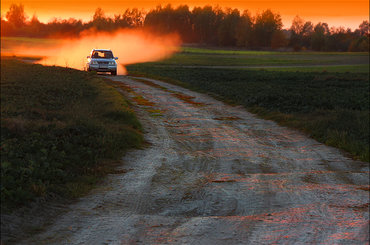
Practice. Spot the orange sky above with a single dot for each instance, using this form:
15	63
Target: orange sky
334	12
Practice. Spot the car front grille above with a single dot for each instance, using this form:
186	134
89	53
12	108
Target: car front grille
103	62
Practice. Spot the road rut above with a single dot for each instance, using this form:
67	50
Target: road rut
216	174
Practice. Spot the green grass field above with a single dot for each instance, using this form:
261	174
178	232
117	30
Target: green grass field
334	68
331	104
230	51
61	131
268	60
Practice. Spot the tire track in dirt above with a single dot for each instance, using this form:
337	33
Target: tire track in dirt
216	174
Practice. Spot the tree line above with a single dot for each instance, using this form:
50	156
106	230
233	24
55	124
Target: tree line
211	26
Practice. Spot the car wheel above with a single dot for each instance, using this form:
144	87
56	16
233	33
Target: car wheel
113	73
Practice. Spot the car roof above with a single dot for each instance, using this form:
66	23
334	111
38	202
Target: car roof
101	50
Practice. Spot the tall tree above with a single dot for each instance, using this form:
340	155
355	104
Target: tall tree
244	30
159	19
168	19
205	22
319	36
130	18
227	29
16	15
297	25
266	24
301	32
364	28
100	22
182	21
361	40
35	26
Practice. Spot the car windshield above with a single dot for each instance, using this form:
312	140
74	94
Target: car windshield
102	54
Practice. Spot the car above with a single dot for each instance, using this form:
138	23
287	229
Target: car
102	60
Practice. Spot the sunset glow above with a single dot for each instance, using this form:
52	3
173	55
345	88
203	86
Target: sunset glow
335	13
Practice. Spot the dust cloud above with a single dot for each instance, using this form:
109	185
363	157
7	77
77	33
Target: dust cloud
130	46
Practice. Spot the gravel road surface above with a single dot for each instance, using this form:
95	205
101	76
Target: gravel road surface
216	174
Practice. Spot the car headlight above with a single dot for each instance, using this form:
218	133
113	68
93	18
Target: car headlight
94	62
112	62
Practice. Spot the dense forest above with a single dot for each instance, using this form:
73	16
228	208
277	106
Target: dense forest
210	26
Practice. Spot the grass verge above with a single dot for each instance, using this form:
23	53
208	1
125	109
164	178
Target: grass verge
191	56
364	68
61	131
333	108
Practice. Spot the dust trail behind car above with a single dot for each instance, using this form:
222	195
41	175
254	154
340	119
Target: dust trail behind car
131	46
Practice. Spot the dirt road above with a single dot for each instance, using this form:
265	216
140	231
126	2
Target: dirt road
216	174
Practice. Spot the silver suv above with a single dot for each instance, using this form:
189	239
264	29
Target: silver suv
102	60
